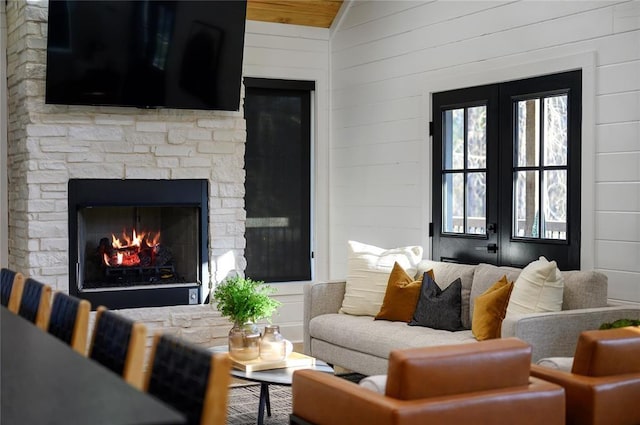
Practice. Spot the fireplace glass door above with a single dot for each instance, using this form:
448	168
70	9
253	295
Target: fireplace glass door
136	246
138	243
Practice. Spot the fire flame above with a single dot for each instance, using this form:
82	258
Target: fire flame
126	251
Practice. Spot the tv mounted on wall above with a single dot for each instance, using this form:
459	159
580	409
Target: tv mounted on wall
146	53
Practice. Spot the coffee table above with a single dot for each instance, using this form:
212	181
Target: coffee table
282	376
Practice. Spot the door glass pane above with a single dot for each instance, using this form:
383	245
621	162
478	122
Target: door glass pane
555	130
453	132
477	137
476	203
555	203
528	132
453	203
526	204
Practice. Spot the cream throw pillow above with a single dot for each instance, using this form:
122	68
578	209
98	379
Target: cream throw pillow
539	288
368	272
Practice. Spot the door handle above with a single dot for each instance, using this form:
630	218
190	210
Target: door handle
492	248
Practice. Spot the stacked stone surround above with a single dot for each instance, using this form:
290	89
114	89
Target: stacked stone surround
50	144
200	324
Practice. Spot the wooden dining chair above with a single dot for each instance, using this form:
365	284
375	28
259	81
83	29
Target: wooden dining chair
118	344
191	379
11	287
69	321
35	303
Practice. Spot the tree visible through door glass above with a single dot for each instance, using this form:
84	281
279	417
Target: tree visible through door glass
541	132
464	170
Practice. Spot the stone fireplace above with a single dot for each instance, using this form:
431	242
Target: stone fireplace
136	242
49	146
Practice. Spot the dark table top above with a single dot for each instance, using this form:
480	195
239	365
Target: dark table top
43	381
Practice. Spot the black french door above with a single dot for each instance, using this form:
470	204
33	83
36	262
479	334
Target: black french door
465	161
506	172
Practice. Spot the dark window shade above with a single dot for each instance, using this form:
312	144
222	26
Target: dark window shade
278	167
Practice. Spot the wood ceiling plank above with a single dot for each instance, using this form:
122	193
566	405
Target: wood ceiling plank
317	13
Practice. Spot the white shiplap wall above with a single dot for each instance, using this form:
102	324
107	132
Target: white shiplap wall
298	53
388	56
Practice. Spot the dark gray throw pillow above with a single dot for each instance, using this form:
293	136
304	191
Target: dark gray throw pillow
437	308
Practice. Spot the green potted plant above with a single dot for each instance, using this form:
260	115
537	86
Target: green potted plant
620	323
244	301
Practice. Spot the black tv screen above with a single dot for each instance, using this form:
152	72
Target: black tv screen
146	53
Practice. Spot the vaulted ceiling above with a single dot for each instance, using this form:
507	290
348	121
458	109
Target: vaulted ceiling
314	13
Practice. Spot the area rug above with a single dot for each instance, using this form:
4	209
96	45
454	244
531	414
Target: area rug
244	399
243	405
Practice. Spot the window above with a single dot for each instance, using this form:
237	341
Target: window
506	172
278	179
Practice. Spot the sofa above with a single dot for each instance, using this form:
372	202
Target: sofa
488	382
362	344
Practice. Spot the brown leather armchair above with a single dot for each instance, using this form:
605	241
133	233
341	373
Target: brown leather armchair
486	382
603	387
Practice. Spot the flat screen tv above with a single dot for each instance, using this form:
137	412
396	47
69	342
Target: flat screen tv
146	53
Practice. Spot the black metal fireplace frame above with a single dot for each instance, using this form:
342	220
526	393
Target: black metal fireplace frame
83	193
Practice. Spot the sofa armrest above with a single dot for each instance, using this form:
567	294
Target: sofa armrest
556	334
320	298
321	398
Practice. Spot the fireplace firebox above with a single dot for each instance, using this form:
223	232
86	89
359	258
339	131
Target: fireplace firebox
138	243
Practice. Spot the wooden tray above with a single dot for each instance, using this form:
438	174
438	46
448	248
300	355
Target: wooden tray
293	360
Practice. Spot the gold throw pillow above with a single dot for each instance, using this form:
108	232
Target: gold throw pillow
401	296
489	310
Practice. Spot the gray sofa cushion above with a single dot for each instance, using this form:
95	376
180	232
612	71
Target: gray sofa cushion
363	334
584	289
